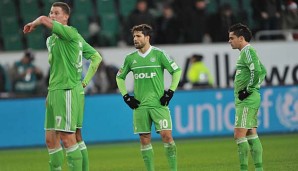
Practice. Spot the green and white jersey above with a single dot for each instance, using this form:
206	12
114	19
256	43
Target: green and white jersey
148	73
250	72
66	48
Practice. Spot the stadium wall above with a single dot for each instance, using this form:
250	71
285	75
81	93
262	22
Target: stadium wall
200	113
279	58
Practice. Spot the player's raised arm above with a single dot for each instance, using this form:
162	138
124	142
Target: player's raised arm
42	20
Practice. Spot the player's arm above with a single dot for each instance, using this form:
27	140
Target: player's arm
255	68
253	64
175	80
121	85
42	20
121	75
95	61
175	71
120	79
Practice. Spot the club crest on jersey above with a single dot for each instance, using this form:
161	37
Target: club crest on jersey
153	59
134	62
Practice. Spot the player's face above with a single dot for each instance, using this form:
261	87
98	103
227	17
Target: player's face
59	15
234	40
140	40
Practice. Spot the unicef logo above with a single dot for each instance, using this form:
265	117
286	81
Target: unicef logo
287	108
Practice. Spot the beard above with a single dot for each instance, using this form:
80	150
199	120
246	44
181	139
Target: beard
139	45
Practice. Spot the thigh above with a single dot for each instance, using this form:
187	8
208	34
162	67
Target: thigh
79	104
52	139
49	123
161	118
66	109
246	117
141	121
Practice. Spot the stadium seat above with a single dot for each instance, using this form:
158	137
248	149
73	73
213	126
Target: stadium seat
36	39
212	7
126	7
107	38
7	8
12	42
9	25
104	7
47	6
83	7
234	4
247	6
81	23
110	23
109	30
29	7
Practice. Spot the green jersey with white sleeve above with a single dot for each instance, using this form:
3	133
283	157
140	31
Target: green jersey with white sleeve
66	49
250	74
148	72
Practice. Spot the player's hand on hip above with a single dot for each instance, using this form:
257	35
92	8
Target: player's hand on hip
131	101
167	96
243	94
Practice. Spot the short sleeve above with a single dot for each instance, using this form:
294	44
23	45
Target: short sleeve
64	32
168	63
125	69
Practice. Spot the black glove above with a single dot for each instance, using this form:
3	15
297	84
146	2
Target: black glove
243	94
167	96
131	101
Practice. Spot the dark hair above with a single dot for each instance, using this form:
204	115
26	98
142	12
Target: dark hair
144	28
241	30
197	57
64	6
29	54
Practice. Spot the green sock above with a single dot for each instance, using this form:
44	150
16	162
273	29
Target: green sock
84	152
56	159
256	151
243	148
171	153
74	158
148	156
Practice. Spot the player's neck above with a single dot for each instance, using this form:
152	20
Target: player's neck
145	48
243	45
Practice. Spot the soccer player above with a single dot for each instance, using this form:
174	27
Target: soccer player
250	73
65	99
150	101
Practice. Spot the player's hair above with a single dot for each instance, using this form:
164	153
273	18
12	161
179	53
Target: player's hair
64	6
144	28
241	30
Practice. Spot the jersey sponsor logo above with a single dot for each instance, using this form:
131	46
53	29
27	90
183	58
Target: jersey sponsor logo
144	75
287	108
174	66
153	59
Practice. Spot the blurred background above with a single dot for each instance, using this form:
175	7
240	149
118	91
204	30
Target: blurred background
193	32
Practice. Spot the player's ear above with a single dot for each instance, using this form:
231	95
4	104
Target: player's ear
66	17
241	38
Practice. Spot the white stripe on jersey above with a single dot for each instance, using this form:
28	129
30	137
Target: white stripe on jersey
244	117
153	66
248	56
68	110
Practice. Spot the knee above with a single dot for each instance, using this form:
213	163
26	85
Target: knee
79	137
166	136
51	143
68	139
145	139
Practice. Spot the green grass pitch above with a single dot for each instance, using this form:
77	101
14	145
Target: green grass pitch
201	154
